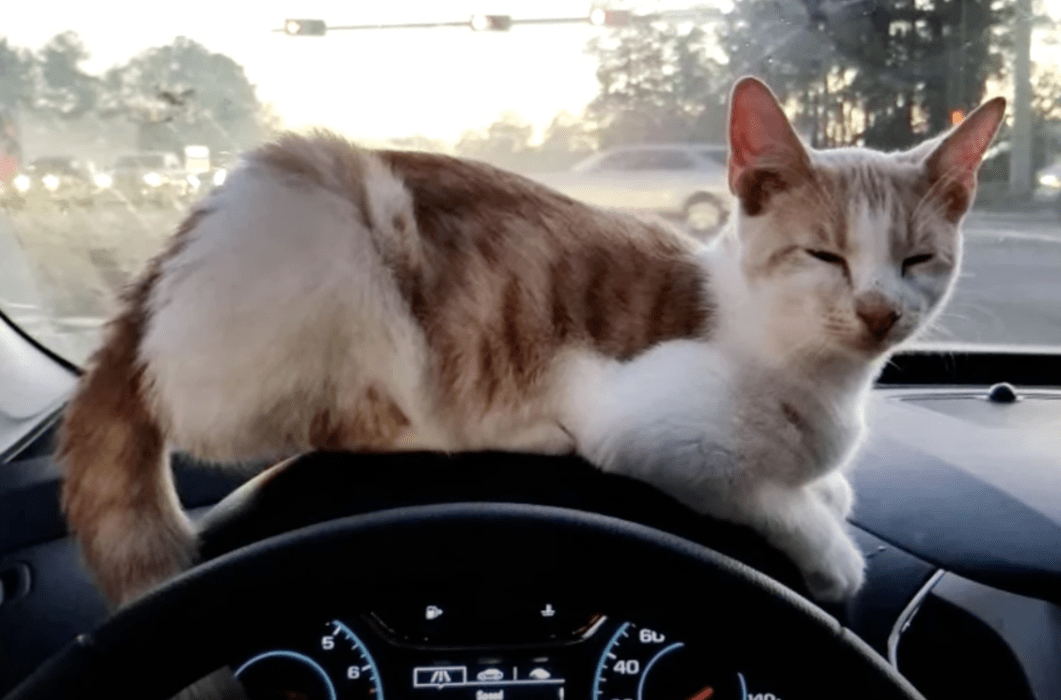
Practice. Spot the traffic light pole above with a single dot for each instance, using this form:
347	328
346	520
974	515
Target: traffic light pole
1020	163
598	16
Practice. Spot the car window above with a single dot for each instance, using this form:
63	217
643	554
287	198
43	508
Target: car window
624	160
668	160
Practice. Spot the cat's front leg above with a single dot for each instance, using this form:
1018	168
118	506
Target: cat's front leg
836	492
799	522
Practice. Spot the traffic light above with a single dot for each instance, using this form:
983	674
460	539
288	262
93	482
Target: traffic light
305	27
490	23
600	17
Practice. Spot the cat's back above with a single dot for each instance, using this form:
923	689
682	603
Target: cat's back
509	273
417	280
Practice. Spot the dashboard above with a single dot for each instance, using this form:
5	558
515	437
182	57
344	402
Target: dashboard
957	514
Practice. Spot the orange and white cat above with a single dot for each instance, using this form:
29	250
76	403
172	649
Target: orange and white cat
332	297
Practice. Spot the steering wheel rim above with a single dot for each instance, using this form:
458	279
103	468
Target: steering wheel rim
205	613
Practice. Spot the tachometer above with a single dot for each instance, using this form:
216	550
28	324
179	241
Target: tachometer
640	663
335	665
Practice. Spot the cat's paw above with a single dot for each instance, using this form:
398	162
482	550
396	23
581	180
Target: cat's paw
838	574
836	493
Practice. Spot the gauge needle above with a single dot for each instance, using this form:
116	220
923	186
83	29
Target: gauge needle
704	694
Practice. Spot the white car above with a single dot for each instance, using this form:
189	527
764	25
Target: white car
1048	185
686	181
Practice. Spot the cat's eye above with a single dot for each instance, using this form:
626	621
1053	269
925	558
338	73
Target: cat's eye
916	260
826	256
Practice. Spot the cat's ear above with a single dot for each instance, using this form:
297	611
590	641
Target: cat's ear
952	165
765	154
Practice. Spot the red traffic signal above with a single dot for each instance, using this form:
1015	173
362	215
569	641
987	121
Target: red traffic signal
600	17
490	23
305	27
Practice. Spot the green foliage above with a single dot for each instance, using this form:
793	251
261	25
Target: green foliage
881	73
506	138
184	94
176	95
60	87
658	82
15	75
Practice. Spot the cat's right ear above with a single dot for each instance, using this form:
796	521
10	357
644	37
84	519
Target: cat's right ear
765	154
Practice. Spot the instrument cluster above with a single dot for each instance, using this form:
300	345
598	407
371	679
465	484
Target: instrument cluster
519	650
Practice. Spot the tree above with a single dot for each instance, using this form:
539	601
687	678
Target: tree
14	92
270	121
1046	114
883	73
502	143
184	94
419	142
16	87
59	87
658	82
565	141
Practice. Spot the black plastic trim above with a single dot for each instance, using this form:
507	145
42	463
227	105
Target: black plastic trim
937	366
44	349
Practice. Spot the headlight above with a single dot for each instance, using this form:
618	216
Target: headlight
51	182
219	177
152	179
22	183
1050	180
102	180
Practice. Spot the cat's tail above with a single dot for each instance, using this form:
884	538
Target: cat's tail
118	492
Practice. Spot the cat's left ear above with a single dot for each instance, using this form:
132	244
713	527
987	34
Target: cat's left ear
953	164
765	154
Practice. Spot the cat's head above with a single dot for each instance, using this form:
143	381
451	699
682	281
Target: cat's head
849	250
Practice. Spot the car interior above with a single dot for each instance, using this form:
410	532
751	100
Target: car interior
510	576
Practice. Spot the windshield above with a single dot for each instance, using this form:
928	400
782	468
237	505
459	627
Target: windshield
554	89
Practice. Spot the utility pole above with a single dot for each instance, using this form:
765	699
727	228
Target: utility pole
1020	159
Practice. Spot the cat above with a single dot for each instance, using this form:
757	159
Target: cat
330	297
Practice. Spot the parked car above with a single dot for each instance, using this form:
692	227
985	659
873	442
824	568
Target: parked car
56	180
153	177
1048	186
684	181
221	165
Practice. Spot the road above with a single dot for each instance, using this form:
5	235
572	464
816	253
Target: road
1009	290
73	266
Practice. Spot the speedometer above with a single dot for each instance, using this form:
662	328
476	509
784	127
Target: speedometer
335	666
641	663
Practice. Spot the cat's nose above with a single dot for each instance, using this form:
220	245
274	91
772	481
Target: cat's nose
877	313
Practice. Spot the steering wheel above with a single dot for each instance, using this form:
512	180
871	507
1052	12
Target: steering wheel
734	623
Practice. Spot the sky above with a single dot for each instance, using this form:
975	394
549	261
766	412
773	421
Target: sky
368	84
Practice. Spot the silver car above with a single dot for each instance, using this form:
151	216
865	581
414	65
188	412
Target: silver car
1048	190
686	181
